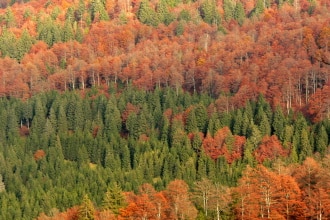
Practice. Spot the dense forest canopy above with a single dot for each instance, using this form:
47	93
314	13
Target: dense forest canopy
61	153
164	109
234	50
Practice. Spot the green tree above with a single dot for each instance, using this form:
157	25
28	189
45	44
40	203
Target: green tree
114	199
98	11
239	13
48	31
279	123
9	18
147	15
8	44
259	8
24	44
209	13
67	32
305	149
321	140
191	122
238	120
164	14
179	30
86	209
201	117
229	9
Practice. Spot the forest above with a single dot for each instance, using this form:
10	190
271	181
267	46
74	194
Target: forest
164	109
139	154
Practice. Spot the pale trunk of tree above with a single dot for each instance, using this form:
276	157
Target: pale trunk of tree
299	91
206	42
93	77
287	206
306	88
194	84
98	79
218	211
159	213
72	79
83	83
319	217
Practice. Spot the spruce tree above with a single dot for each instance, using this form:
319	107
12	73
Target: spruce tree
114	199
239	13
86	209
321	140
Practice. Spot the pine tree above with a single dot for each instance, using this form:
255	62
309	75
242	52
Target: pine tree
229	9
238	120
147	15
114	199
201	117
24	44
98	11
67	33
279	123
163	13
86	209
191	122
209	13
305	149
321	140
9	18
239	13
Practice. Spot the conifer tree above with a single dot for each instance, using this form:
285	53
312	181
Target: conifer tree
321	140
86	209
146	14
24	44
114	199
98	11
229	9
209	13
239	13
279	123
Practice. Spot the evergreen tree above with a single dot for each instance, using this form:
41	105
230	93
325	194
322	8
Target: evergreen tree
209	13
9	18
259	8
238	120
305	149
321	140
86	209
98	11
239	13
24	44
229	9
163	13
201	117
8	44
279	123
147	15
179	30
191	122
114	199
62	123
67	33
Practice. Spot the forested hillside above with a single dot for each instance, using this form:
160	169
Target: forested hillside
232	49
164	109
71	150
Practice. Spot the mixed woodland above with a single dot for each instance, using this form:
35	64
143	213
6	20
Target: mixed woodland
169	109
